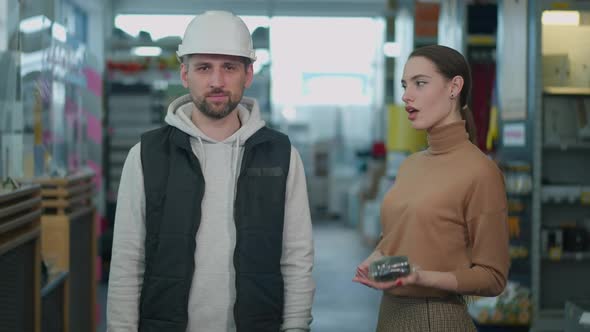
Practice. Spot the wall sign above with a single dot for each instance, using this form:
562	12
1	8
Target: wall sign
514	134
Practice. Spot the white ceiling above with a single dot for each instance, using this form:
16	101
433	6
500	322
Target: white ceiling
255	7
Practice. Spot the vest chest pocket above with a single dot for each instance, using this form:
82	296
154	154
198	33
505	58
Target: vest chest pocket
265	171
266	185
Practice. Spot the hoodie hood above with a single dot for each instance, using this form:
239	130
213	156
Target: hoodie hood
179	116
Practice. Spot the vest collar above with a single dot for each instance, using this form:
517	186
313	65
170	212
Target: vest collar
180	139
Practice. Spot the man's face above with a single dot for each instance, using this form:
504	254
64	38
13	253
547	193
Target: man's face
216	82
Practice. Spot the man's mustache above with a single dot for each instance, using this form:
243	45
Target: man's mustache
218	92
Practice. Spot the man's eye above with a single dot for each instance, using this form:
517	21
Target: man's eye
420	83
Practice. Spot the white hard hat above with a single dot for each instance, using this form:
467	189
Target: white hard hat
217	32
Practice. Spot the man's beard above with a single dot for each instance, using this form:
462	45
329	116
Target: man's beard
211	111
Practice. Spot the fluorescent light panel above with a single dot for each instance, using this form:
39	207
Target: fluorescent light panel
159	26
560	17
59	32
146	51
34	24
392	49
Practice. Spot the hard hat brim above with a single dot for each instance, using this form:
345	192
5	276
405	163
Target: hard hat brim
182	51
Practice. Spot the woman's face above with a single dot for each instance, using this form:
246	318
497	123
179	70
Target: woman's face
431	99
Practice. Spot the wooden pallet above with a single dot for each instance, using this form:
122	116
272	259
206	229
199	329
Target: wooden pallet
55	290
66	194
20	213
69	241
20	210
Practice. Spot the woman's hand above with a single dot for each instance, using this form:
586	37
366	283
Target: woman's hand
362	276
433	279
363	268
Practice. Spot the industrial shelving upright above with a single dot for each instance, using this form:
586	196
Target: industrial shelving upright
561	183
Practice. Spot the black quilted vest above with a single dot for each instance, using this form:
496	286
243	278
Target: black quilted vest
174	189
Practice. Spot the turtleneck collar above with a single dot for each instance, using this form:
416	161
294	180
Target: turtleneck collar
446	138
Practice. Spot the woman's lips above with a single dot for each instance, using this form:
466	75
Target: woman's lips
412	113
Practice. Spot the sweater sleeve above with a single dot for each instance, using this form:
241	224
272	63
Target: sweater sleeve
127	262
297	257
486	217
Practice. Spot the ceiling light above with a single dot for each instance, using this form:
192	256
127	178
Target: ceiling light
146	51
290	113
392	49
59	32
560	17
34	24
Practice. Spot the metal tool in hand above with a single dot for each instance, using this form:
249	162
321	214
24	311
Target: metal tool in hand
389	268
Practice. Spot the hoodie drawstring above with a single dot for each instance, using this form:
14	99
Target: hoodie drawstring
204	159
236	160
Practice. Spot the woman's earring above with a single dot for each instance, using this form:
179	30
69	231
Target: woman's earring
452	96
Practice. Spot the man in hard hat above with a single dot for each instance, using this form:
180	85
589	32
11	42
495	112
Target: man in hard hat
212	229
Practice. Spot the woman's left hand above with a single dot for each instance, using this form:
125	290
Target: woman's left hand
411	279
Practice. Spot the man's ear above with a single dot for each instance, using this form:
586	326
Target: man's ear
249	75
184	74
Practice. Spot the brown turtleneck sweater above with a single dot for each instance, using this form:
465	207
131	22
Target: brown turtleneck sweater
447	212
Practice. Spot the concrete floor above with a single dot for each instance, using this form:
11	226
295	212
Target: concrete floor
101	297
339	305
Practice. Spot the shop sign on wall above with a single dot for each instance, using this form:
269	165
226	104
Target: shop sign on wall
514	135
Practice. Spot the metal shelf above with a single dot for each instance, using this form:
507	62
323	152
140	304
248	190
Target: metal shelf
566	203
481	40
555	161
567	146
549	320
566	91
135	106
569	256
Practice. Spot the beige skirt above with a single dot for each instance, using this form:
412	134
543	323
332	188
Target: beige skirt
403	314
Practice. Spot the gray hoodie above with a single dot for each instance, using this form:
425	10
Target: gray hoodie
213	290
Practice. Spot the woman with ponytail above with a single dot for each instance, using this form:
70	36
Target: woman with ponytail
447	210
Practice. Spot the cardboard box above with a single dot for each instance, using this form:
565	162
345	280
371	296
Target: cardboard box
556	70
577	316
